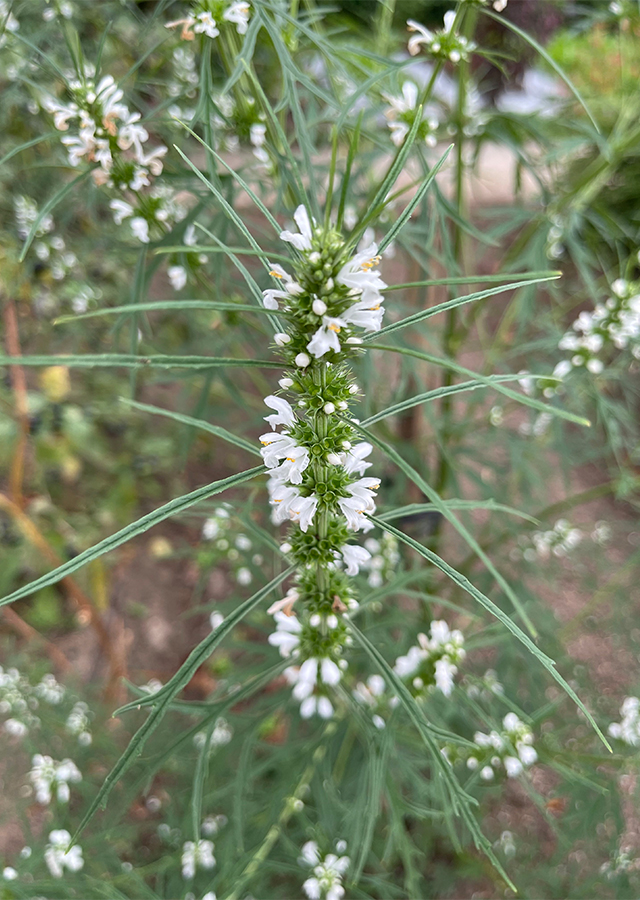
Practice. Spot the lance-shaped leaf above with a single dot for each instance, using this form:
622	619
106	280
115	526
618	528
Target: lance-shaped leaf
159	305
172	688
460	801
173	508
491	607
453	304
447	363
442	508
436	393
195	423
131	361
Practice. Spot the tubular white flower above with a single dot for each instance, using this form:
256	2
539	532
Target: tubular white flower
238	14
301	241
423	36
283	415
359	273
326	337
354	556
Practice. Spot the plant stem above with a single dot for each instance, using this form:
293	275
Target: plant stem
288	809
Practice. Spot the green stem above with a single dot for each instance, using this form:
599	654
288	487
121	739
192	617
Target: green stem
290	806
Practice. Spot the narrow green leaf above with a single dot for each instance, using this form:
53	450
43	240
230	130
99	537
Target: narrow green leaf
395	168
453	503
405	215
436	393
172	508
471	279
163	698
491	607
452	304
160	305
351	155
26	145
243	184
129	361
195	423
460	801
229	210
49	205
548	59
435	498
461	370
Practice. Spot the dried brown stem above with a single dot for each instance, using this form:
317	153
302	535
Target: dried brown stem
19	385
88	612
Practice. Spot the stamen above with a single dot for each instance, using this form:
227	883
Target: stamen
275	274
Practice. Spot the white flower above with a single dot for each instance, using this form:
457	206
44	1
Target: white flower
238	13
215	620
301	241
284	413
206	24
354	556
177	277
58	857
197	856
326	337
140	229
359	273
9	873
513	766
423	36
287	635
445	670
47	774
121	210
272	295
359	502
354	461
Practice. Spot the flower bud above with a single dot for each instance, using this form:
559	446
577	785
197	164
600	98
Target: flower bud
353	388
319	307
281	338
342	405
329	408
315	620
302	360
286	547
334	459
286	383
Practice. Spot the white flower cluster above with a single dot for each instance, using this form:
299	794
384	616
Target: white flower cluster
49	248
316	674
444	44
559	541
208	16
372	694
628	730
288	460
48	775
485	687
221	735
233	547
58	856
235	123
401	116
105	130
197	855
433	663
612	324
184	83
384	558
19	699
78	723
511	749
328	871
